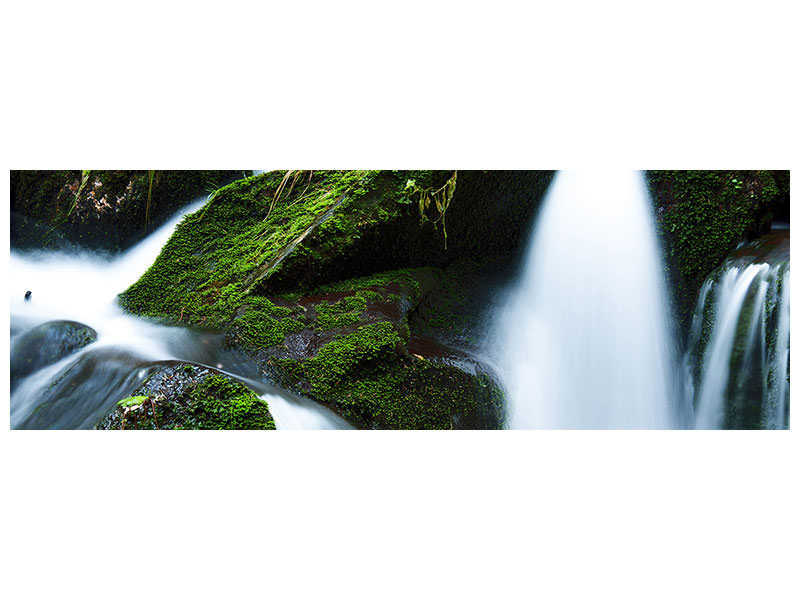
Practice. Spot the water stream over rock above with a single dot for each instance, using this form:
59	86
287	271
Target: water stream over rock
738	354
95	353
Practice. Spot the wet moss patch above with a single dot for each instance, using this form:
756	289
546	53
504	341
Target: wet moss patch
182	396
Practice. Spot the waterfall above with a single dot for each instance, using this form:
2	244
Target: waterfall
738	352
71	290
583	340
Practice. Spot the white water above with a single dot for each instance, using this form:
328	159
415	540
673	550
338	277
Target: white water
583	340
743	312
83	287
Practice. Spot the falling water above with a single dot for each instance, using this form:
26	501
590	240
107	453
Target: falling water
77	389
583	340
738	353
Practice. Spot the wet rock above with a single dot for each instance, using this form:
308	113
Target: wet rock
84	390
349	347
47	344
187	396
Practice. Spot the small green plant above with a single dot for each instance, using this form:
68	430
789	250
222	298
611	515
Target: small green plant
132	401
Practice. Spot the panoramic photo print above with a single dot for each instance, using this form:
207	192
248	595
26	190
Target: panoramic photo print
303	299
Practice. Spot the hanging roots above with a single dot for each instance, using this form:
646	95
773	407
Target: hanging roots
440	198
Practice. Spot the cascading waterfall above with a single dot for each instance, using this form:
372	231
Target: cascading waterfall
583	340
738	352
76	390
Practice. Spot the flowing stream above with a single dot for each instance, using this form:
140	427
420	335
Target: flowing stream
738	354
77	289
583	340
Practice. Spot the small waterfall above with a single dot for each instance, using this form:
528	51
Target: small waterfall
738	352
583	340
74	289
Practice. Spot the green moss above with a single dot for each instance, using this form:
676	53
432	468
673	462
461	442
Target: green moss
367	378
210	265
264	324
346	311
369	347
702	217
217	402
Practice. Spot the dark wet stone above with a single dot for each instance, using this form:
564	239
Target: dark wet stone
85	390
46	344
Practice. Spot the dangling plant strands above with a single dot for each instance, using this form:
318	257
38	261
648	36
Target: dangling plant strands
84	180
282	186
149	196
440	197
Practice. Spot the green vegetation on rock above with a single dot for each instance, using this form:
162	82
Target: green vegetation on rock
702	216
186	397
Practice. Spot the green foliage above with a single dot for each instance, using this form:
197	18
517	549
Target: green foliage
703	215
132	401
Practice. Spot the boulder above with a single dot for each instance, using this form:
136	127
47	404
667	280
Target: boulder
187	396
46	344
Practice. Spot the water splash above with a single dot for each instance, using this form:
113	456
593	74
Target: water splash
583	339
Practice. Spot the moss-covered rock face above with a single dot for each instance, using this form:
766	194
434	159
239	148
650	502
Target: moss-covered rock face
109	210
349	345
186	396
318	276
702	216
289	232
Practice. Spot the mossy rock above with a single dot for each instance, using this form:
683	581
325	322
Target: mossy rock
315	275
701	217
263	237
186	396
349	346
106	210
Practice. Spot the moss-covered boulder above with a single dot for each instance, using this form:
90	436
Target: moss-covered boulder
349	346
109	210
702	216
318	276
288	232
186	396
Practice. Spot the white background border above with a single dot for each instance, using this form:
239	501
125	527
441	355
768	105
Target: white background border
393	514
